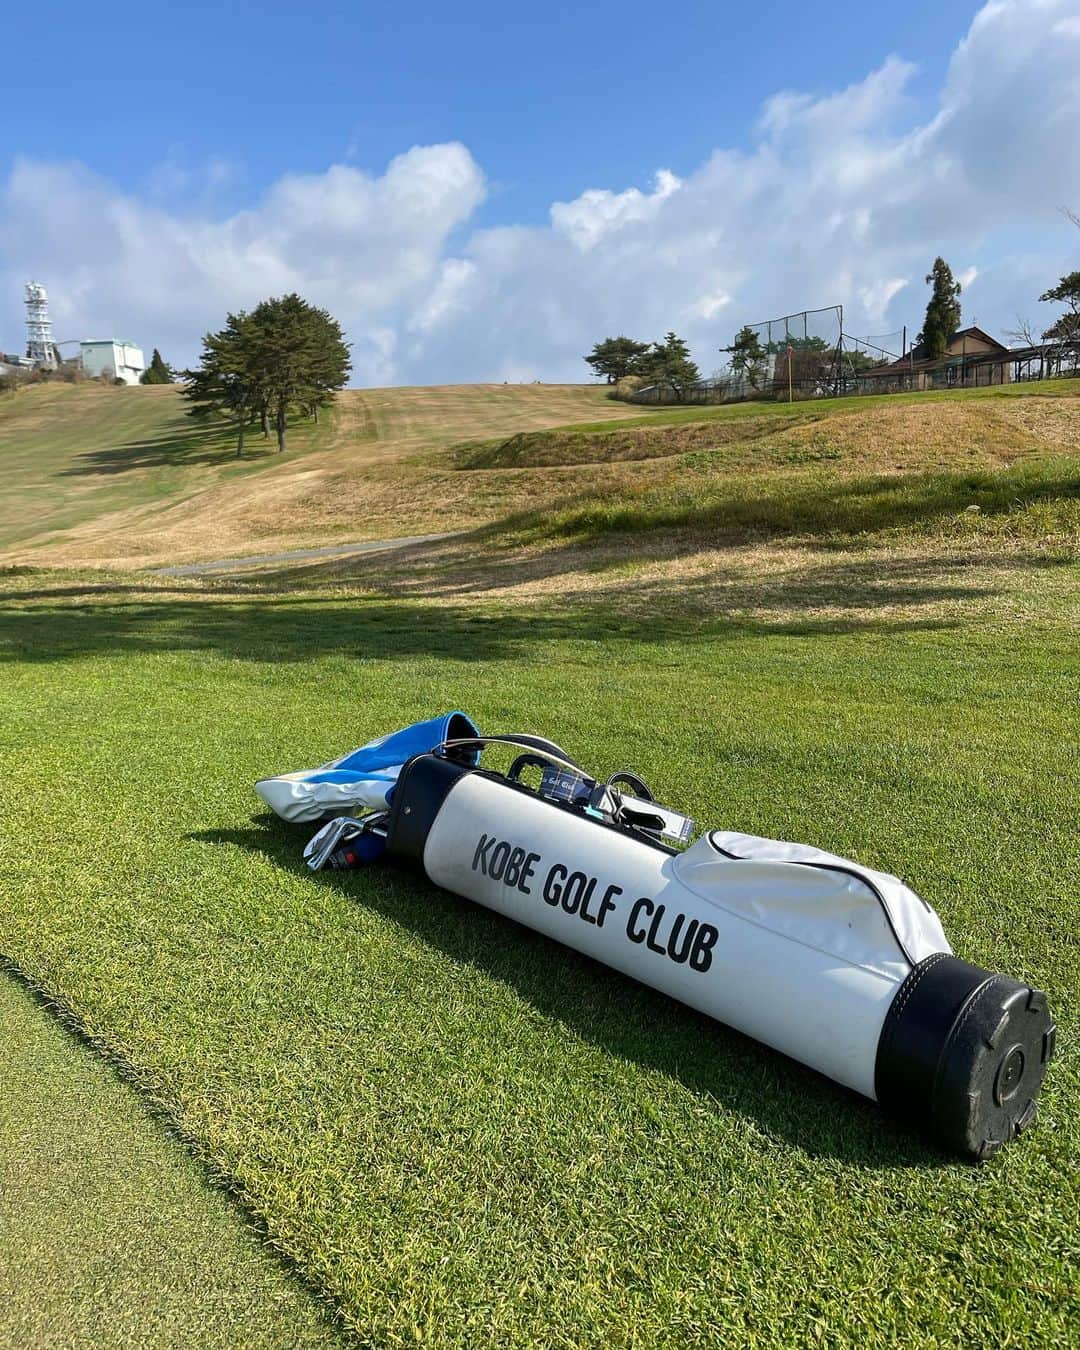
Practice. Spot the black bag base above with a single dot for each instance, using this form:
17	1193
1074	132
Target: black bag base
963	1053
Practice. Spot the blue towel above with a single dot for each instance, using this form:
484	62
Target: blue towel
363	779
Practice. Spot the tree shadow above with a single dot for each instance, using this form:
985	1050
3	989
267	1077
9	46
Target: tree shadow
187	444
296	627
183	445
781	1097
867	583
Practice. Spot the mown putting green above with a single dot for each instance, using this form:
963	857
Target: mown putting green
109	1233
460	1131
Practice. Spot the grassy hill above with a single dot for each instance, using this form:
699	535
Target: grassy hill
122	477
95	474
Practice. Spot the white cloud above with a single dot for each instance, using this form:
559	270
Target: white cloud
597	212
841	199
369	248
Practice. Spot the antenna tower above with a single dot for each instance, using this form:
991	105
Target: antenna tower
39	338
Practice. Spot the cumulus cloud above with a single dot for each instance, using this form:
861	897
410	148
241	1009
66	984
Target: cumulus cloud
369	248
841	199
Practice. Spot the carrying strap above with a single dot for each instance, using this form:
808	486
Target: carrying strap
550	751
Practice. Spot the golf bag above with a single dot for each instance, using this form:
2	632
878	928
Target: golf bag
841	967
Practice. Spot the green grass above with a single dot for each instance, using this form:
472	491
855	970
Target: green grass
1036	500
108	1231
73	453
464	1133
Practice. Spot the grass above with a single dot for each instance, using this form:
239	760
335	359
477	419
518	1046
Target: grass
109	1233
459	1131
387	463
122	476
74	454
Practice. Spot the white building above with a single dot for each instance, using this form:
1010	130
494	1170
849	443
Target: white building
106	356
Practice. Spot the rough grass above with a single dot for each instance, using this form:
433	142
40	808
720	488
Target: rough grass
383	464
109	1233
122	476
75	454
460	1131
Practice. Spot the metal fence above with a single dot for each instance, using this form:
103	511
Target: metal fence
798	362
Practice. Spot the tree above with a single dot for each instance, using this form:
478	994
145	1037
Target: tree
284	355
1066	327
225	384
669	363
617	357
300	358
943	311
157	372
748	356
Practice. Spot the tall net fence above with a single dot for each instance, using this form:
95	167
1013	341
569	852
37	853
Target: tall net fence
807	354
801	351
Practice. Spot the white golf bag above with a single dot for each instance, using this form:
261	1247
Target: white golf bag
841	967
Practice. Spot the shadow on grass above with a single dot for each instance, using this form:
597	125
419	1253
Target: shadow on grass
782	1098
184	445
865	584
299	628
188	444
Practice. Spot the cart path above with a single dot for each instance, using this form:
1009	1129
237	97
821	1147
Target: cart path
296	555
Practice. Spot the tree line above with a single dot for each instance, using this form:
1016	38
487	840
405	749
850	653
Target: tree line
285	355
666	363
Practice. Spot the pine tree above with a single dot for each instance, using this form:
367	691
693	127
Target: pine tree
225	384
748	356
157	372
300	357
943	312
617	357
1066	328
284	355
669	363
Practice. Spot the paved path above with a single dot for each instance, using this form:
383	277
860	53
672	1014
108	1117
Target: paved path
296	555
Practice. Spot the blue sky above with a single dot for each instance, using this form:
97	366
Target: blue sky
481	192
550	101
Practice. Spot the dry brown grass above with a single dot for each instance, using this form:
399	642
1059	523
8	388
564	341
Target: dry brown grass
378	475
389	467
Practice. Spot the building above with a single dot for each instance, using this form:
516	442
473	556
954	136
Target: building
15	365
971	357
107	356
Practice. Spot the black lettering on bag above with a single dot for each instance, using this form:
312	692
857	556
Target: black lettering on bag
701	953
607	903
576	892
531	859
479	862
513	867
651	941
643	905
499	856
552	889
679	954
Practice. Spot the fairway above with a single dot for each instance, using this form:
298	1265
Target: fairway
860	633
97	474
459	1130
